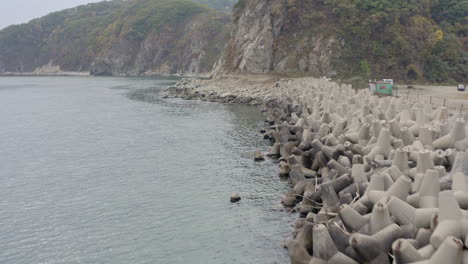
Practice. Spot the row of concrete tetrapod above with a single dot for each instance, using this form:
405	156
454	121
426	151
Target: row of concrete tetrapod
375	180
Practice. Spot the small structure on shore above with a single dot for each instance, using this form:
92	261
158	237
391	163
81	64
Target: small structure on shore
384	86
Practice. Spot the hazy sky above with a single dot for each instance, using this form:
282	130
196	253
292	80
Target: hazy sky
21	11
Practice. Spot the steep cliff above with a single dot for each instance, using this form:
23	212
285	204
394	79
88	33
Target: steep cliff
406	40
262	40
118	38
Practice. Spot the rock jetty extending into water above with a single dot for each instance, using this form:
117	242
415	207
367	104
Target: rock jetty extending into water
374	179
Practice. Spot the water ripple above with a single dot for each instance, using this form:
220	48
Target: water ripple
102	170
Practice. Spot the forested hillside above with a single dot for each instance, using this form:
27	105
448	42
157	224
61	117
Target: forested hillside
223	5
424	40
118	37
407	40
413	39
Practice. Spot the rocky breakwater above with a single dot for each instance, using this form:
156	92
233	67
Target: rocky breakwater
374	180
193	89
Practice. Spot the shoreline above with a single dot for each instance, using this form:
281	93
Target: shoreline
261	85
6	74
364	170
13	74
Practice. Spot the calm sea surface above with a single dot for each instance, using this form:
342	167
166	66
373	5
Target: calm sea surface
101	170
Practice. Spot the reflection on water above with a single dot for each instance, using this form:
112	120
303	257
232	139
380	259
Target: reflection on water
101	170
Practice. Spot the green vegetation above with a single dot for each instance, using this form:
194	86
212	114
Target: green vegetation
66	33
239	8
73	38
240	4
407	40
218	4
410	40
136	20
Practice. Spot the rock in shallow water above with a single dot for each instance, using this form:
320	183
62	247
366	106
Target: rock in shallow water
258	156
235	197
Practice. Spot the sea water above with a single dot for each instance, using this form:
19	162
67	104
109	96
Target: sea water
103	170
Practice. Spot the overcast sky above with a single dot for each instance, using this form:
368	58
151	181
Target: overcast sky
21	11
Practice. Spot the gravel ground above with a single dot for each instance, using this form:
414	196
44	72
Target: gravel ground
453	98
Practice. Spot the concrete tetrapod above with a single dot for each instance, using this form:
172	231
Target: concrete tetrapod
456	135
450	220
460	189
373	169
373	249
325	251
404	252
450	251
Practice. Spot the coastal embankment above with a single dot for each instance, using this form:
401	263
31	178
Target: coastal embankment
373	179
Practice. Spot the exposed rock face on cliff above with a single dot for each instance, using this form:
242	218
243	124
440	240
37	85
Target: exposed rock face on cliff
262	41
404	40
142	37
